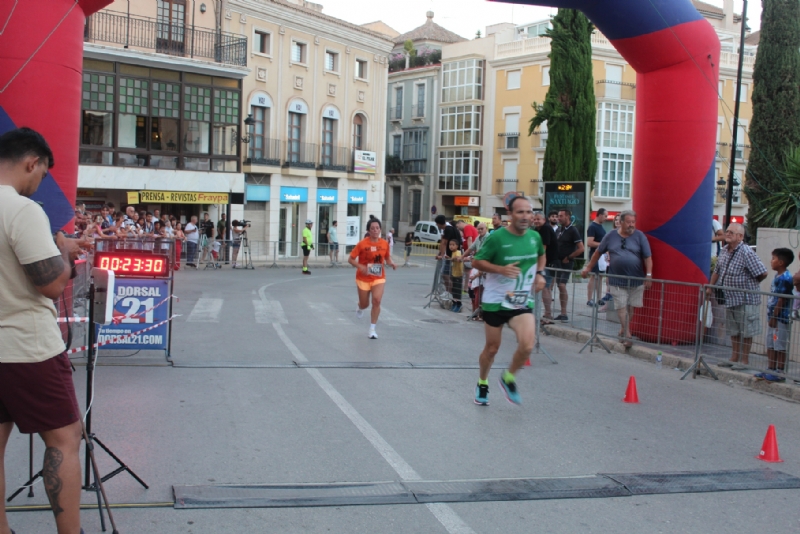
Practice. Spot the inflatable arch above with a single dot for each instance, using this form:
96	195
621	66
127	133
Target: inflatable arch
675	53
41	64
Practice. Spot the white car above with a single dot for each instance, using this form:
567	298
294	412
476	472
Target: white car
427	232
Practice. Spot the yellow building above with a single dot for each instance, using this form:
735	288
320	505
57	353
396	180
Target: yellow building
521	77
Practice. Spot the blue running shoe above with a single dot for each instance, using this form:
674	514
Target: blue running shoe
482	395
510	391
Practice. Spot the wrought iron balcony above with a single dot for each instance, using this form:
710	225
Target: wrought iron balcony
508	185
302	155
264	151
335	158
164	38
396	113
508	141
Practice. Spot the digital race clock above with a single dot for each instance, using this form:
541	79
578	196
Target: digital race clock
125	263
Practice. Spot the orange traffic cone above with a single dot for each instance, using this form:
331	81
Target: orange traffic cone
631	395
528	362
769	450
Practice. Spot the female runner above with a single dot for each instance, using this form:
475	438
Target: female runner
369	257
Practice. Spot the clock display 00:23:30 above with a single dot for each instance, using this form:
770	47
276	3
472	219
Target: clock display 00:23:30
145	264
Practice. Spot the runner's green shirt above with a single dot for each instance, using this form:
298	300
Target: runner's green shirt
504	248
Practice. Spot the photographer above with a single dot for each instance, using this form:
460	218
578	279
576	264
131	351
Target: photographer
36	390
238	232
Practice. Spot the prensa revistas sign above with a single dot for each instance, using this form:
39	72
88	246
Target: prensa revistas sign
365	162
182	197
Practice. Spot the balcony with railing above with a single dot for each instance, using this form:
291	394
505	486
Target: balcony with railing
301	155
418	110
742	151
396	113
541	44
506	185
508	141
335	158
133	31
615	90
264	151
731	60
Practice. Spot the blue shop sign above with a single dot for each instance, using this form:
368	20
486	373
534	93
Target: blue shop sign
257	193
327	196
356	196
135	308
294	194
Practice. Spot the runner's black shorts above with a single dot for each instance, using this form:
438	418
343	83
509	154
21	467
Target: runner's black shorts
306	251
497	319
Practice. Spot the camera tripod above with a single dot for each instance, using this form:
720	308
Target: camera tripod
244	252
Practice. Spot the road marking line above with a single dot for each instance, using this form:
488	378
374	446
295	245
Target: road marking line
269	311
442	512
206	311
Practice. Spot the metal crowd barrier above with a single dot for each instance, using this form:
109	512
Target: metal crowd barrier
73	305
715	344
678	318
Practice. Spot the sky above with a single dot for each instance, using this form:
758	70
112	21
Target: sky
465	17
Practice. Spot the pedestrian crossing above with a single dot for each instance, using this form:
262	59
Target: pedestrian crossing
206	311
267	310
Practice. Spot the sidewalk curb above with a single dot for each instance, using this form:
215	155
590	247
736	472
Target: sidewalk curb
727	376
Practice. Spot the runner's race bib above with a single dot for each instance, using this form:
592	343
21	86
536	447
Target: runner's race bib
515	300
375	269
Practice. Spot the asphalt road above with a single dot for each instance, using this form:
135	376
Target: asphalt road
228	413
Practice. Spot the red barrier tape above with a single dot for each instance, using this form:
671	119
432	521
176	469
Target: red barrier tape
117	339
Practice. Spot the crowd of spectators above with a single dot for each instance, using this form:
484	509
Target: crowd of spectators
190	238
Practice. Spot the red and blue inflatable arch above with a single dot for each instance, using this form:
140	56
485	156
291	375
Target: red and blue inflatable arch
41	63
675	53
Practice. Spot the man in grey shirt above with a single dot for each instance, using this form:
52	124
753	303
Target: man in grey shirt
632	259
333	242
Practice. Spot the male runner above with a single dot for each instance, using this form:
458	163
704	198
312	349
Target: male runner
514	259
368	257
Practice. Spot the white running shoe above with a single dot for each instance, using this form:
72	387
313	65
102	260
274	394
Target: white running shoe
359	313
373	334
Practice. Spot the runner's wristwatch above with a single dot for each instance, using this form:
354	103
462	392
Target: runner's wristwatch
541	272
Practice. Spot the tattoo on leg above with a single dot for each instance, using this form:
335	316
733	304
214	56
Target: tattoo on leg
52	482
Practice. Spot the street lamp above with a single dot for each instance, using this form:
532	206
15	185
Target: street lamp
249	122
737	100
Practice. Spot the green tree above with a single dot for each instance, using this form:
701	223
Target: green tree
569	107
775	126
408	46
783	208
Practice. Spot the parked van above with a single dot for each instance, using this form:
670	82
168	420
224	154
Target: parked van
427	232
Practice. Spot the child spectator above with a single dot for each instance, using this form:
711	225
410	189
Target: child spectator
779	309
475	288
457	273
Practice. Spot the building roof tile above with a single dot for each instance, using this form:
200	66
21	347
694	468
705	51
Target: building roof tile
430	31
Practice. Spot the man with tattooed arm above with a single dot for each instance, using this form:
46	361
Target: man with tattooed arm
36	389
